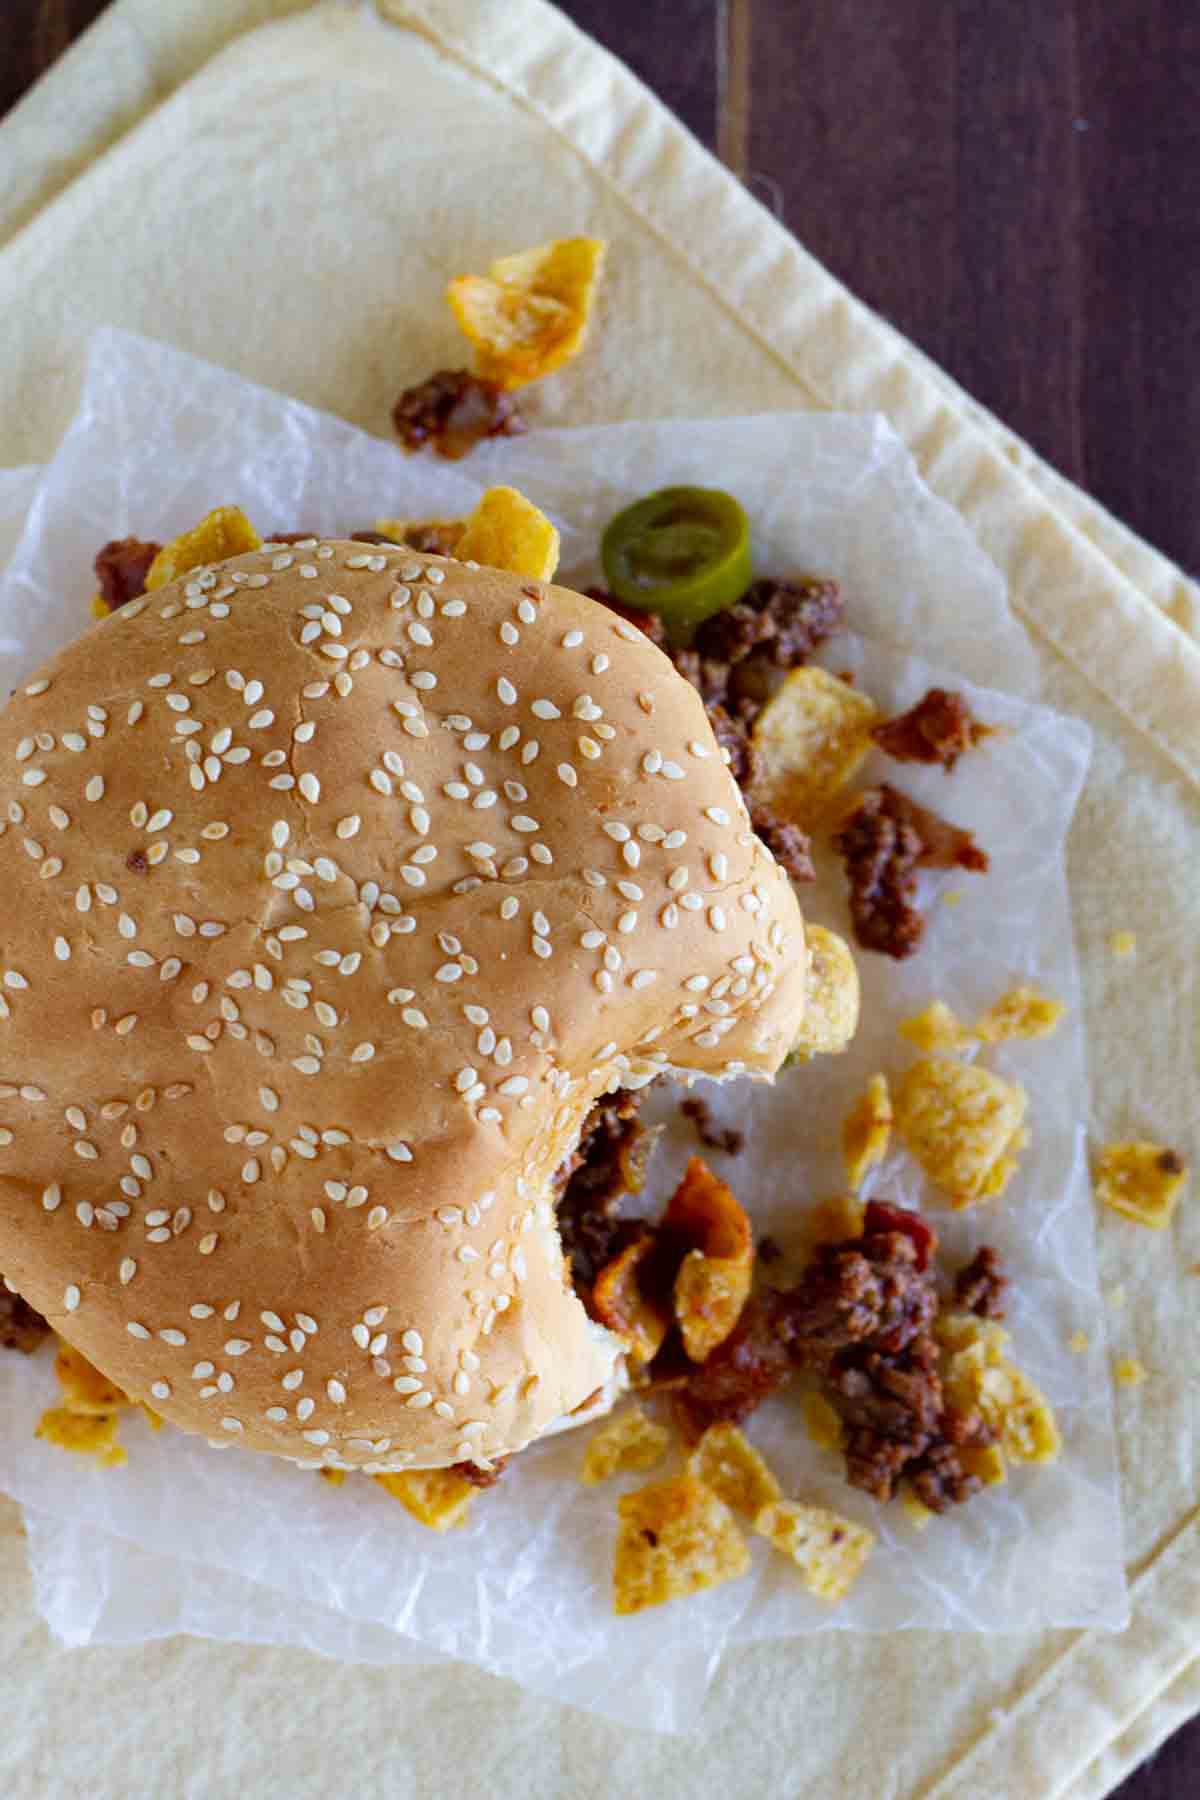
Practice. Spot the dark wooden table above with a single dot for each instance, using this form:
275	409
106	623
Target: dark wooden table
1015	185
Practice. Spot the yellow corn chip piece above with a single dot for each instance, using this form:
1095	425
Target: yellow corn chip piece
1123	943
84	1435
434	537
674	1538
728	1463
914	1508
1023	1012
224	532
628	1440
1142	1181
86	1392
811	736
709	1294
435	1497
832	996
966	1331
935	1028
506	531
821	1421
1129	1372
1078	1342
986	1461
978	1375
832	1220
867	1131
529	314
828	1551
958	1121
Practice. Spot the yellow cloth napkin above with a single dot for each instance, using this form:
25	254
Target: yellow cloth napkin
284	188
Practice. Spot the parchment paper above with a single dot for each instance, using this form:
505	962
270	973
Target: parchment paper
160	438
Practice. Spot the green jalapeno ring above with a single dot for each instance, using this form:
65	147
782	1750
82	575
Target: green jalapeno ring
682	552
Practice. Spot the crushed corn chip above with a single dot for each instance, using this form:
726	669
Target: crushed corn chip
1123	943
831	995
822	1422
1129	1372
979	1375
86	1392
1078	1342
1140	1180
713	1281
224	532
1023	1012
435	537
619	1303
627	1440
915	1508
812	736
730	1465
828	1551
832	1220
528	315
867	1131
935	1028
958	1121
674	1538
986	1461
439	1498
84	1434
506	531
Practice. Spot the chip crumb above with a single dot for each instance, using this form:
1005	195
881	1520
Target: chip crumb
1078	1342
832	1220
979	1376
952	896
831	995
1141	1181
626	1441
1022	1012
867	1131
507	531
829	1551
727	1462
226	531
959	1121
92	1435
822	1421
1123	943
935	1027
713	1280
1129	1371
439	1498
915	1510
675	1537
812	736
529	314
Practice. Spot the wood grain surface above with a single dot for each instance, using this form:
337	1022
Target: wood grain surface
1016	186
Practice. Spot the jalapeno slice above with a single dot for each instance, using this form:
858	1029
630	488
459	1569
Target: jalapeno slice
683	553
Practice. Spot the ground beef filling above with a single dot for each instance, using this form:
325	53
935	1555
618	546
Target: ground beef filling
883	843
608	1163
938	729
453	411
20	1327
698	1111
121	569
477	1475
982	1286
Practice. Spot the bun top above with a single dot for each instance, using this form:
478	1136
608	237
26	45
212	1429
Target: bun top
339	883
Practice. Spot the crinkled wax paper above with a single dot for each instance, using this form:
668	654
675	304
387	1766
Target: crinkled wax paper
241	1547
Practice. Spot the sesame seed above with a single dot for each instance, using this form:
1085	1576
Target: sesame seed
545	709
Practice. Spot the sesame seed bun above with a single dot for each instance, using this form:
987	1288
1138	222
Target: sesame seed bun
338	886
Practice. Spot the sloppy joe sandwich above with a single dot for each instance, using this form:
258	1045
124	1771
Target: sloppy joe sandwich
342	881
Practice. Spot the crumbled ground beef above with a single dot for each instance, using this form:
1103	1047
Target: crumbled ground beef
773	628
740	1373
982	1286
20	1327
729	1142
769	1250
885	840
609	1162
938	729
477	1475
791	847
744	764
453	411
121	569
861	1317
